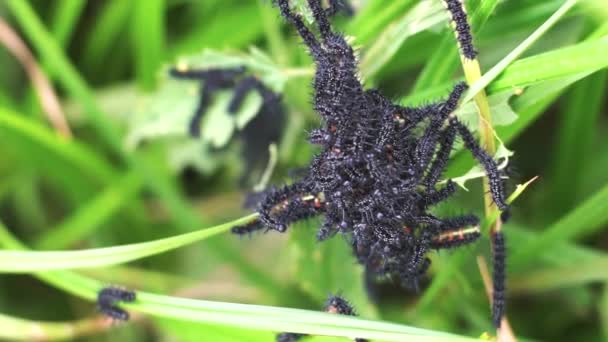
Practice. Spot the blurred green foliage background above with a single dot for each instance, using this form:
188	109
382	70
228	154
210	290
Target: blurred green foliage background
126	173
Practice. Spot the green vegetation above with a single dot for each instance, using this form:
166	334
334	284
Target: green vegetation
120	195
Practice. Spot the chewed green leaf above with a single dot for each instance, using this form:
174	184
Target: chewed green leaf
166	114
502	113
191	152
217	124
502	153
248	110
257	62
489	220
300	6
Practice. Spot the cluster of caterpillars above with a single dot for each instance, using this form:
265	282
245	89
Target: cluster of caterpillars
379	169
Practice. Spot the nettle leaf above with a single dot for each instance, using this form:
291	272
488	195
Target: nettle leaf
167	113
217	124
256	62
424	16
249	109
164	114
300	6
502	153
195	153
502	113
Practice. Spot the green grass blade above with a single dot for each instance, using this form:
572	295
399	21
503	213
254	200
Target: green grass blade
256	317
561	277
59	65
24	261
148	38
376	15
584	220
446	60
579	118
440	67
282	319
583	57
109	25
423	16
91	215
65	18
603	309
521	48
80	156
213	33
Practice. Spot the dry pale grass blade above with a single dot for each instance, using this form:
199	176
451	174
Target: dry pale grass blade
17	329
48	99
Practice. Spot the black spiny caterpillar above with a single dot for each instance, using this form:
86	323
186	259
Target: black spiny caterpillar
499	288
107	299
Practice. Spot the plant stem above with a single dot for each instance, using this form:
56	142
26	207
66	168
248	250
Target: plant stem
472	73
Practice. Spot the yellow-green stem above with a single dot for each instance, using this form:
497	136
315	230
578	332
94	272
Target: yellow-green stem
472	73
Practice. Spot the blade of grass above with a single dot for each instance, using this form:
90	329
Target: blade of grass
213	33
17	329
241	315
80	156
603	309
59	65
41	92
375	15
185	218
23	261
92	214
108	26
423	16
582	221
561	277
583	57
578	124
65	17
445	61
521	48
148	37
440	67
